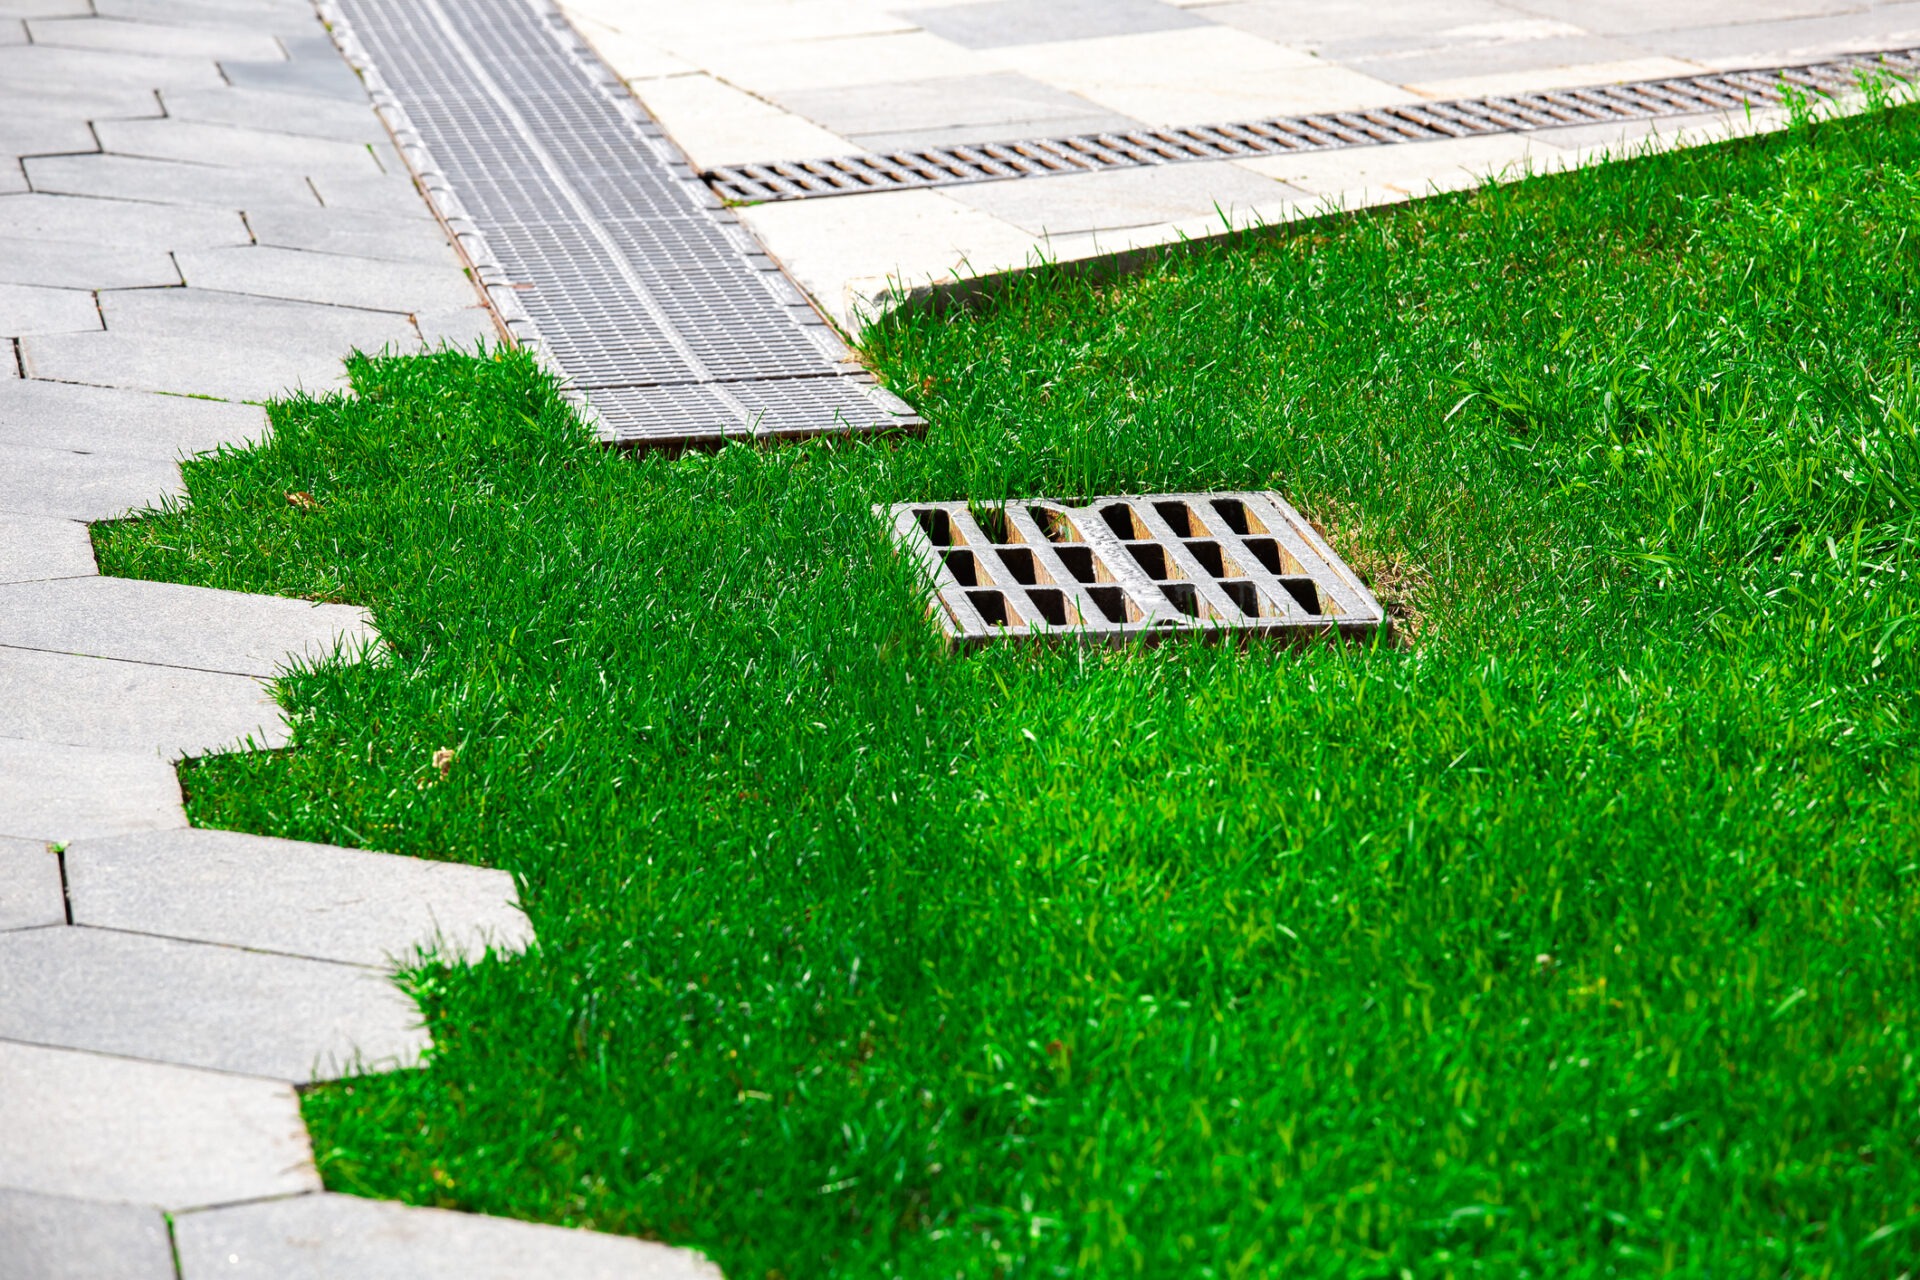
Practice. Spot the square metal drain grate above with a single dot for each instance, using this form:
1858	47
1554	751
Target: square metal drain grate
1142	565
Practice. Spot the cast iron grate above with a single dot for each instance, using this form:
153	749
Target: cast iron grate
597	244
1412	122
1138	566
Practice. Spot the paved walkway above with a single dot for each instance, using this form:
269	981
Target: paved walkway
744	81
197	209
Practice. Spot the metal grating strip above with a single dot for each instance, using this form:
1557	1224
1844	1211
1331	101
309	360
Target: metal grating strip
598	245
1414	122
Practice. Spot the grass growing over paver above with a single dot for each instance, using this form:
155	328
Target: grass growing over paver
1577	937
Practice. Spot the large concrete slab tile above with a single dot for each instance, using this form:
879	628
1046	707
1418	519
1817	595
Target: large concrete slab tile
65	415
392	194
237	368
309	76
171	625
26	67
27	309
329	1237
165	181
296	274
90	221
288	896
995	24
25	134
243	320
57	99
80	486
298	114
53	792
57	1238
357	234
102	1128
273	16
151	38
188	1004
231	146
131	706
946	111
30	897
1127	197
36	547
69	265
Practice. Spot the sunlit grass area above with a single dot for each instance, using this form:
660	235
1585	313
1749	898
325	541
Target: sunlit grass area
1574	935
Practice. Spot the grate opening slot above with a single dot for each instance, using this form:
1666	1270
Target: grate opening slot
993	608
1182	596
1154	561
1080	562
965	568
1304	594
1274	558
1051	604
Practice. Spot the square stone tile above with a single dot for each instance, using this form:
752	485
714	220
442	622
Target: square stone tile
165	182
328	1237
1126	197
298	114
285	896
64	415
30	896
997	23
51	792
133	707
716	124
36	547
26	308
118	223
56	1238
79	1124
631	58
188	1004
355	233
81	486
70	265
943	112
1199	76
151	38
232	147
334	279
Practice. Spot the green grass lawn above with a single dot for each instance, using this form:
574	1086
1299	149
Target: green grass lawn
1576	936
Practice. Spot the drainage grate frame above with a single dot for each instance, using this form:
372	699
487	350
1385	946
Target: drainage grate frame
1131	567
1410	122
596	245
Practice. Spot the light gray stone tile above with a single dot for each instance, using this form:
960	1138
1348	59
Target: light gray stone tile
37	547
65	415
13	178
22	134
192	142
13	31
1124	197
312	900
1481	58
151	38
327	1236
27	67
944	111
81	486
30	897
393	194
267	321
1634	18
130	706
49	791
996	24
170	624
1315	24
194	1005
28	308
43	8
463	330
165	182
1741	42
357	234
334	279
267	19
189	366
80	1124
299	114
69	265
57	1238
84	220
309	75
71	100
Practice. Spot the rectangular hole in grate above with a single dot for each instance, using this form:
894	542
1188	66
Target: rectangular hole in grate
993	523
1051	603
965	568
993	606
1234	512
1182	596
1080	563
1180	518
937	524
1154	562
1055	525
1113	604
1023	567
1274	558
1213	560
1304	594
1123	522
1244	595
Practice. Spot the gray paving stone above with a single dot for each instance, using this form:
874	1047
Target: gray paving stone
302	75
28	308
80	1124
392	194
57	1238
299	114
65	264
53	792
1743	41
30	897
43	8
1476	58
190	366
72	100
355	233
462	330
328	1237
151	38
229	146
1314	24
81	486
1124	197
13	178
260	321
312	900
32	135
996	24
173	625
26	67
165	182
335	279
65	415
36	547
130	706
940	112
194	1005
85	220
12	31
1635	18
268	18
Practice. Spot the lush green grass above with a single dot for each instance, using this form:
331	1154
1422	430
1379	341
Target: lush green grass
1576	939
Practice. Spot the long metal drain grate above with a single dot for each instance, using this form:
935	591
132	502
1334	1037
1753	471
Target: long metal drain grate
597	244
1122	567
1414	122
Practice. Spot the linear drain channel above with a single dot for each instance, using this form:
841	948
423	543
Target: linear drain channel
598	246
1122	567
1413	122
